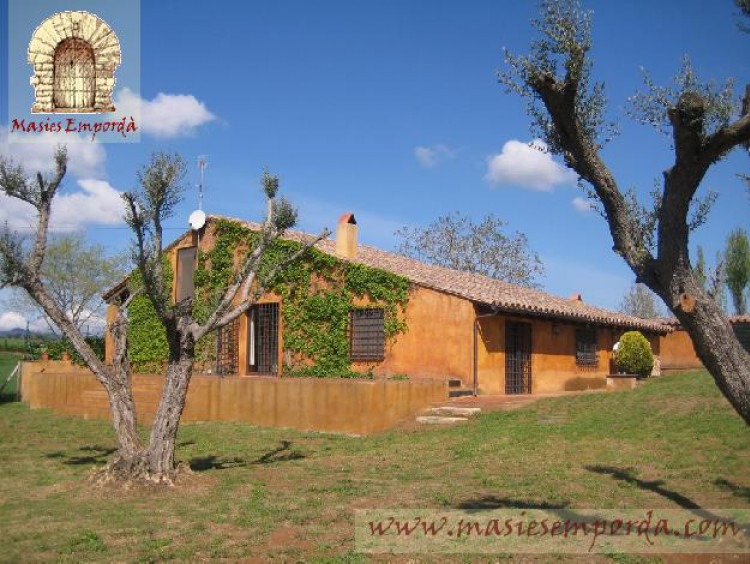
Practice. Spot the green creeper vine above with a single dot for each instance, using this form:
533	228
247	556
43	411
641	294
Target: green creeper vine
147	340
317	294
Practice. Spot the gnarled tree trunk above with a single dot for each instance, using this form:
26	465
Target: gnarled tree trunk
713	338
114	379
166	423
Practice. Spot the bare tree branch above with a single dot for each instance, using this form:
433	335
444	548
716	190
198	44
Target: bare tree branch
262	286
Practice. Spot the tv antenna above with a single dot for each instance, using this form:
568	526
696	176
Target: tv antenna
202	164
197	219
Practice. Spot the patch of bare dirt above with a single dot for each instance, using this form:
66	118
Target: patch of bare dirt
287	537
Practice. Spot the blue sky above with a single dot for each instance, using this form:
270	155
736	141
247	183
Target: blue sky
391	109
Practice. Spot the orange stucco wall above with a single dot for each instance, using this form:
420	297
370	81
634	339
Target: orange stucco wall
339	405
553	358
677	352
438	341
553	361
109	342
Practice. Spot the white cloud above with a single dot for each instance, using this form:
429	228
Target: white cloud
430	157
85	157
167	115
527	164
96	202
583	205
95	324
12	320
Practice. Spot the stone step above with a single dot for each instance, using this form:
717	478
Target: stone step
447	410
461	392
440	420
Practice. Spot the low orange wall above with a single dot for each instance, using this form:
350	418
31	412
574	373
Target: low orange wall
678	353
342	406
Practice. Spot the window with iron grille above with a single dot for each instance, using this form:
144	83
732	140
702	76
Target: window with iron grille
367	334
586	347
226	348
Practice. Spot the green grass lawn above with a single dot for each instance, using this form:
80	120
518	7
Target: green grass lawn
274	493
8	361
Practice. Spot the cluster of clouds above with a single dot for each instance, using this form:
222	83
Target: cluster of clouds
87	198
528	165
92	200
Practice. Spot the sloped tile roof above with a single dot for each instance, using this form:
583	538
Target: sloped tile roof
674	323
478	288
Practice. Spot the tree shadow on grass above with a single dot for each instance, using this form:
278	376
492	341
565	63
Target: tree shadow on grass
495	502
736	489
281	453
96	454
655	486
555	511
211	462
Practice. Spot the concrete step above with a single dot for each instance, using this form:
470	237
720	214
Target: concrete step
450	411
459	392
440	420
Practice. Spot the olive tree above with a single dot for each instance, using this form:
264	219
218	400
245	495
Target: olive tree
21	266
704	123
160	189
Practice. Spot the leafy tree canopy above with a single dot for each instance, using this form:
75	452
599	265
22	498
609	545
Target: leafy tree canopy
456	241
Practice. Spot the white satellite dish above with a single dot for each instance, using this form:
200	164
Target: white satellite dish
197	219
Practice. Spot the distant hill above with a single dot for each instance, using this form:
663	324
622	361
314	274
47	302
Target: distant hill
13	333
19	333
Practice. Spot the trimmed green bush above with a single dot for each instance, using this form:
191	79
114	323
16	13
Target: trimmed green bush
634	355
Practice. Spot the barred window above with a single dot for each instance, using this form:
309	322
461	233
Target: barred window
586	347
227	338
367	334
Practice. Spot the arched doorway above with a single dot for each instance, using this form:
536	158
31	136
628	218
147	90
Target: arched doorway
75	75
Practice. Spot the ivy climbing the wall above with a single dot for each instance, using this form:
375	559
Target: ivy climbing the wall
147	340
317	293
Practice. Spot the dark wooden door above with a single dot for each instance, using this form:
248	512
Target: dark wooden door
75	75
263	339
517	357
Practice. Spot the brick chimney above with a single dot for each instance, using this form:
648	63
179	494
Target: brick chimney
577	297
346	236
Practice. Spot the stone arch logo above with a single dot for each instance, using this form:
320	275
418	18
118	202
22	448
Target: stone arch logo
74	55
